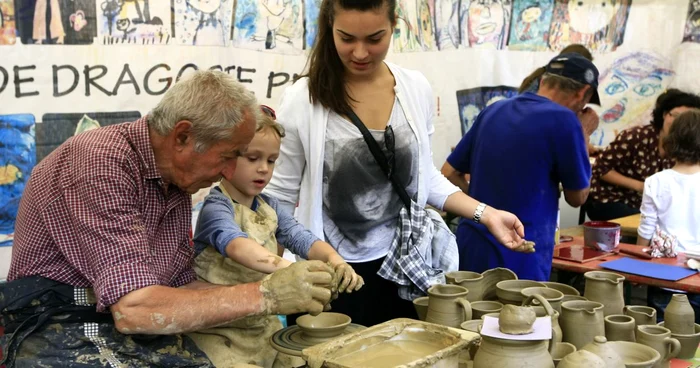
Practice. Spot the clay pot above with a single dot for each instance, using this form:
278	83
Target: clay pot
561	350
581	322
602	235
605	288
324	325
620	327
479	308
545	309
514	320
554	297
473	325
659	338
509	291
679	316
481	286
582	359
564	288
567	298
421	305
495	352
635	355
642	314
448	305
689	343
605	351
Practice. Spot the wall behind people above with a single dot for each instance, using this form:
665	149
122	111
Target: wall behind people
109	61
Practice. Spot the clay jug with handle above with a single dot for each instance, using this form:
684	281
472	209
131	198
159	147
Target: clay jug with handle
605	288
549	311
679	316
448	305
659	338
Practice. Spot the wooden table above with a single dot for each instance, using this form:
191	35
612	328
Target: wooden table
690	284
629	224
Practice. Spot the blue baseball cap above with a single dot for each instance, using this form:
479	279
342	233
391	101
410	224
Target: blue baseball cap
578	68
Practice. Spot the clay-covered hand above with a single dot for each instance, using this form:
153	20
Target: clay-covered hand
348	279
505	227
301	287
589	121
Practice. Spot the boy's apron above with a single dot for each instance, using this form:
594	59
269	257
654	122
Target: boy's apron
246	340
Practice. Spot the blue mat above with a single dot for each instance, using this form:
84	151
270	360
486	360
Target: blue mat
648	269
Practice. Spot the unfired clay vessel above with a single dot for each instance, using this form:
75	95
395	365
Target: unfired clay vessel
544	309
495	352
679	316
689	343
605	288
659	338
560	351
605	351
642	314
448	305
619	327
635	355
582	359
514	320
554	297
581	321
481	286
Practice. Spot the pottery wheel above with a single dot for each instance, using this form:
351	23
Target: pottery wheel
292	340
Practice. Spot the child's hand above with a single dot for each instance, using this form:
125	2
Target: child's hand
348	280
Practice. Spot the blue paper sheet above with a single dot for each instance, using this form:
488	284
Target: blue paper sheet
648	269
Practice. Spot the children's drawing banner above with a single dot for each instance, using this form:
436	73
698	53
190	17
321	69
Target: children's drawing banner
71	65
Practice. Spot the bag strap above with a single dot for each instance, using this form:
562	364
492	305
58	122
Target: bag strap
381	159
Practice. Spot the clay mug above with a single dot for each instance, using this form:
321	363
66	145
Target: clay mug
448	305
554	297
605	288
659	338
421	305
679	316
642	314
620	327
482	307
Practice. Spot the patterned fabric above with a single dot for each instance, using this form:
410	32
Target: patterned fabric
51	324
634	153
423	250
95	214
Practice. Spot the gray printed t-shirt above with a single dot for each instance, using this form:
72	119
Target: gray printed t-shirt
360	207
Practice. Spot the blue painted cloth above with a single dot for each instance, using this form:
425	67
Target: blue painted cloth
517	153
216	225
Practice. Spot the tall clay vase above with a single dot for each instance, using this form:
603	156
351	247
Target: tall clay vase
448	305
659	338
679	316
581	322
605	288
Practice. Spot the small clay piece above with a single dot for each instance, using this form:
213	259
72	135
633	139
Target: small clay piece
514	320
526	247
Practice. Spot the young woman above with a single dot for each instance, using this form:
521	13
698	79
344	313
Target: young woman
327	169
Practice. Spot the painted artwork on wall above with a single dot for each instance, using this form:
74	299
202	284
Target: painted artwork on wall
69	22
530	25
628	91
451	24
471	101
57	128
311	10
597	24
692	23
270	25
17	159
134	22
415	26
488	23
7	22
203	22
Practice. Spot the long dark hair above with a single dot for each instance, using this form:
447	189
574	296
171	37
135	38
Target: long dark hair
326	72
537	74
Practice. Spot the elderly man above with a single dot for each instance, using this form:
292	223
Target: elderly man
101	271
518	152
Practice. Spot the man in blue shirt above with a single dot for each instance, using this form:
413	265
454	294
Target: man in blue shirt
517	153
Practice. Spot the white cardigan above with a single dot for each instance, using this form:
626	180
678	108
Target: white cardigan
298	176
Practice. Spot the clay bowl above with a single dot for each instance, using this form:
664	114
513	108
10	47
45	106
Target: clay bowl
561	350
564	288
689	343
635	355
421	305
473	325
554	297
479	308
509	291
602	235
325	325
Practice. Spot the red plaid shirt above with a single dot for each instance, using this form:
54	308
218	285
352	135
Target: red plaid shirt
95	214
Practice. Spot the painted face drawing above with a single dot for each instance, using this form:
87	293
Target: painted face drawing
591	16
487	19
